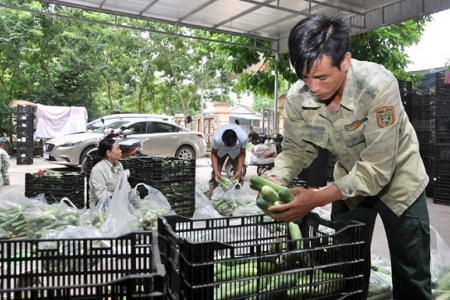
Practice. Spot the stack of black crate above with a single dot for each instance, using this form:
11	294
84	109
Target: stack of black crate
442	149
24	130
421	111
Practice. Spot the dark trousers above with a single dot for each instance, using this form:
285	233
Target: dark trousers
212	182
408	238
316	174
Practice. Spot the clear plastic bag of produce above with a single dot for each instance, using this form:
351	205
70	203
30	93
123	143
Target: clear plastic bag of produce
3	234
249	209
204	208
380	286
201	184
225	202
440	258
148	210
69	249
12	221
118	219
201	200
47	217
38	199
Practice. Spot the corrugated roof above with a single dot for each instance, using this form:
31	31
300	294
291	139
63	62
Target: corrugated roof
261	19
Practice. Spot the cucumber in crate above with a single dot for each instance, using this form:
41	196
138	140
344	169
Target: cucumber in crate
241	258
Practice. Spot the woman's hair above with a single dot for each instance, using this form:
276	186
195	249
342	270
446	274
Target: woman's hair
316	36
105	145
229	137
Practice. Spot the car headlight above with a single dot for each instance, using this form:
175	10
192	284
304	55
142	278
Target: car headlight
70	144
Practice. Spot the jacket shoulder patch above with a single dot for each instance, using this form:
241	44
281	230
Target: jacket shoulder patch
385	116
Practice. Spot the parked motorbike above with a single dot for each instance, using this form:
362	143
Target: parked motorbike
265	150
128	147
228	169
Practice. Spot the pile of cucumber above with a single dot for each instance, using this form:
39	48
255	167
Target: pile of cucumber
270	193
13	222
279	274
40	220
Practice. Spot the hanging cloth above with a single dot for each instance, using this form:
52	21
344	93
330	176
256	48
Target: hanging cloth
56	121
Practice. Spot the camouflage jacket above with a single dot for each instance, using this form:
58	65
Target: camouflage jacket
375	144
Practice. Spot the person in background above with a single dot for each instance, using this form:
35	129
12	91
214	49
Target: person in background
230	140
4	165
107	173
353	109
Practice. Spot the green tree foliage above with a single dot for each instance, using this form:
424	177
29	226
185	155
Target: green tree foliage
387	45
133	67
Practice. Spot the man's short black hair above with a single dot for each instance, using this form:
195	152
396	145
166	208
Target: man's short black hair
229	137
316	36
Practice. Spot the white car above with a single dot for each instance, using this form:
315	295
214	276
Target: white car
98	124
160	139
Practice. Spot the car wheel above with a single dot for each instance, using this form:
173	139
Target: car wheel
185	152
84	153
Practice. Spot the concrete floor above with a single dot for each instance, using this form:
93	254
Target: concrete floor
439	214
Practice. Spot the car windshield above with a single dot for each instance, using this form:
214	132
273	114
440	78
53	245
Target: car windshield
117	124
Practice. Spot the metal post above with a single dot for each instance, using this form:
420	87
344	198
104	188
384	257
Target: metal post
275	109
201	97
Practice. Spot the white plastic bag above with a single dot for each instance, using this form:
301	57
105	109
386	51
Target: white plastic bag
119	220
440	258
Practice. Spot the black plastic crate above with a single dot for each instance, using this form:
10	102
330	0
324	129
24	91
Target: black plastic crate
70	185
442	107
296	182
25	116
423	111
192	250
25	123
426	137
332	159
441	191
442	151
430	165
179	193
443	124
24	109
427	150
424	124
429	190
24	158
98	268
405	87
164	169
25	147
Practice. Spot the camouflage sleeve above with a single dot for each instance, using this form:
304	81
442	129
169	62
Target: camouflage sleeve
378	159
296	153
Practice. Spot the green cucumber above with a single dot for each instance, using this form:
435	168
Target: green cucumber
269	194
241	271
275	288
252	287
263	204
285	195
258	182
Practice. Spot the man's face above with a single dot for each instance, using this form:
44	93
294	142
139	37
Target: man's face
325	80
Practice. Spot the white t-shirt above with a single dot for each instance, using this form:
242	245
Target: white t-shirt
217	143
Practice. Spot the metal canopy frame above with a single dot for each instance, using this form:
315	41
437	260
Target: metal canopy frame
261	20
